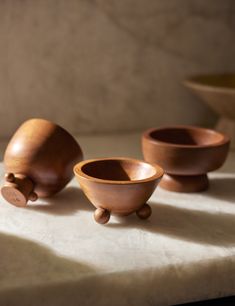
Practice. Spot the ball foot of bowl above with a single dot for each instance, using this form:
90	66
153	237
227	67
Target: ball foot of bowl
144	212
101	215
186	183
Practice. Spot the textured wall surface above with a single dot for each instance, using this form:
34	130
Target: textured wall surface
97	66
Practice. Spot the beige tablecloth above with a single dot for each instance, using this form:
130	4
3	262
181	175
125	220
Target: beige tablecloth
53	253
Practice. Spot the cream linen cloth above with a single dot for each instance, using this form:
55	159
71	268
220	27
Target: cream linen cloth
53	253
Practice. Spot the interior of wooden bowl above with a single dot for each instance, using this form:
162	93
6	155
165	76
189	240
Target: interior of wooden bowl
187	136
217	81
118	170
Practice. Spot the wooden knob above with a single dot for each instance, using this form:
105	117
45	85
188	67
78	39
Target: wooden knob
33	196
144	212
18	189
9	177
101	215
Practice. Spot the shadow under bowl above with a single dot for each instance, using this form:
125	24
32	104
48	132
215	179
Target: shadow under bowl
186	153
118	185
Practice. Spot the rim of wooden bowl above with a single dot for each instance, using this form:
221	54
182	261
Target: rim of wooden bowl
157	176
224	138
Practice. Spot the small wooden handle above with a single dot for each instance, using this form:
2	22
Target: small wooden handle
9	177
18	189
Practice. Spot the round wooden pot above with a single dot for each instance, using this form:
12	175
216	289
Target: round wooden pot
186	153
118	186
39	161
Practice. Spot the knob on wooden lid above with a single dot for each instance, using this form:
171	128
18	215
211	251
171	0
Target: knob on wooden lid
18	189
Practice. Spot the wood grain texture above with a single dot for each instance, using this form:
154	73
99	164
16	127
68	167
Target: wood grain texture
186	153
39	161
118	186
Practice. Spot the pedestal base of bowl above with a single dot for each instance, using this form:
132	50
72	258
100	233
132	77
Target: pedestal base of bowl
179	183
102	215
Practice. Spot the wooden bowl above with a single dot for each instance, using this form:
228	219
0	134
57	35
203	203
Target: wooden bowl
218	91
118	186
39	161
186	153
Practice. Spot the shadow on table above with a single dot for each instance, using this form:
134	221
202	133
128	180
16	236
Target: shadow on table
222	188
224	301
185	224
31	274
182	223
67	202
25	263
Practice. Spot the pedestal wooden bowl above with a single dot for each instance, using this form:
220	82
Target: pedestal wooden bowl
186	153
39	161
118	186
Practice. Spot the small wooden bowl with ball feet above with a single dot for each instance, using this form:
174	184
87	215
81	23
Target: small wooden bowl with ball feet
118	186
39	161
187	154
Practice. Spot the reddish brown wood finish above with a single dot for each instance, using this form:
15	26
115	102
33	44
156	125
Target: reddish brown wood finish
39	161
118	185
186	153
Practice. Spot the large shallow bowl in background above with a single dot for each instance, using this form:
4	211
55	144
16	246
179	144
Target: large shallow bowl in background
218	91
